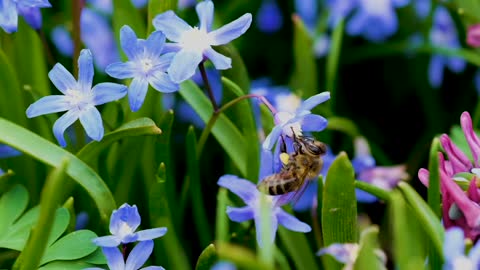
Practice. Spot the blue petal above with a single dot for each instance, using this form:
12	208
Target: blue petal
128	41
62	124
161	82
155	43
220	61
139	3
205	14
62	78
92	123
62	40
85	70
107	92
313	101
139	255
273	229
7	151
453	245
357	23
474	255
306	202
153	268
292	223
121	70
422	7
476	81
307	10
171	25
240	214
321	45
105	6
125	214
269	17
107	241
137	92
183	65
114	257
401	3
339	9
364	197
231	31
244	189
266	163
341	252
456	64
272	138
435	70
48	104
151	233
223	265
313	122
363	162
32	16
164	61
35	3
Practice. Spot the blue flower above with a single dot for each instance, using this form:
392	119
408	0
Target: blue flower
79	99
422	7
299	121
62	40
194	44
339	9
146	66
137	257
346	253
183	4
29	9
223	265
6	152
375	20
307	10
454	251
269	17
123	223
106	6
443	34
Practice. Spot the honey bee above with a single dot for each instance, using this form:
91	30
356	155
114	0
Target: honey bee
304	164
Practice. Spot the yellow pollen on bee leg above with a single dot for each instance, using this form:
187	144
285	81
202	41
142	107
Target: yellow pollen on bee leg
284	157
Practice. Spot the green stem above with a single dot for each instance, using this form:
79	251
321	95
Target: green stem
378	192
201	66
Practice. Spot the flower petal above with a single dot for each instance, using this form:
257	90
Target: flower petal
344	253
474	254
48	104
272	138
121	70
8	151
154	43
161	82
164	61
313	122
151	233
36	3
240	214
126	214
62	124
453	244
153	268
62	40
205	14
471	136
92	123
171	25
85	70
107	92
137	92
435	70
266	163
128	41
62	78
32	16
107	241
9	16
244	189
313	101
231	31
292	223
364	197
183	65
139	255
114	257
220	61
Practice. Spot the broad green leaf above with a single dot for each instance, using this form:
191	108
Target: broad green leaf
13	107
207	258
333	59
62	265
156	7
470	7
304	79
430	222
125	13
297	248
169	246
200	217
74	245
226	133
12	205
137	127
97	257
238	73
49	201
51	154
367	259
246	123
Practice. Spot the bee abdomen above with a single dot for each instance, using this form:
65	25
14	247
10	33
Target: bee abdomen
276	185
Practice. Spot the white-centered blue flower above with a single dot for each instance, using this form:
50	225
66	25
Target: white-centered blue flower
146	65
194	44
136	259
79	99
454	252
29	9
123	223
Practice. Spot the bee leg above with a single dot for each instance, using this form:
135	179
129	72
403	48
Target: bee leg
283	145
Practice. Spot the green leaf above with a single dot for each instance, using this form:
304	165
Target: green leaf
125	13
430	222
137	127
333	59
344	125
51	154
221	223
61	265
242	257
12	205
374	190
156	7
297	248
238	74
200	217
161	216
304	78
367	259
226	133
207	258
13	107
74	245
435	259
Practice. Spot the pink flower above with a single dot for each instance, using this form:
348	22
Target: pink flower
473	35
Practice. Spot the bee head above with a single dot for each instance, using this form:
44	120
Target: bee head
313	147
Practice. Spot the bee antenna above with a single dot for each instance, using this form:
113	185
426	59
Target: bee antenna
294	135
283	145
